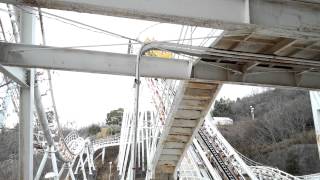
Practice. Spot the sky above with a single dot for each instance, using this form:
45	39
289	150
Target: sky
83	98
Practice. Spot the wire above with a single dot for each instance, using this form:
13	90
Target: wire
147	28
185	35
103	45
74	22
191	33
181	31
206	40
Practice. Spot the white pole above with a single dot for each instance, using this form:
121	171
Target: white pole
315	104
110	164
129	141
102	157
143	139
62	169
26	106
136	114
71	172
147	136
88	159
78	165
82	167
139	144
42	164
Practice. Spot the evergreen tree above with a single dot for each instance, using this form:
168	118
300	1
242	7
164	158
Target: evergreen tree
222	108
114	117
292	164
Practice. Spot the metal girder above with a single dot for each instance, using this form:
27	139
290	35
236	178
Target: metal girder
315	104
261	76
286	18
90	61
26	130
123	64
16	74
26	119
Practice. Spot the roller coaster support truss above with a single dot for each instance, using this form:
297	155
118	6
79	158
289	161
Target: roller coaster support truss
26	106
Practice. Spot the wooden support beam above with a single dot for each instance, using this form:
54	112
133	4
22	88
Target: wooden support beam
279	47
297	50
235	45
248	66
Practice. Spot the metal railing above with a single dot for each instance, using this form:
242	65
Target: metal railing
105	142
265	172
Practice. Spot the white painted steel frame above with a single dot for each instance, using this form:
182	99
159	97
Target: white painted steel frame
26	106
287	18
90	61
315	104
121	64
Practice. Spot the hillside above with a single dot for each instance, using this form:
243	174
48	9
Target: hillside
281	134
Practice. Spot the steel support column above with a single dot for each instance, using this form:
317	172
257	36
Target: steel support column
315	103
26	130
26	106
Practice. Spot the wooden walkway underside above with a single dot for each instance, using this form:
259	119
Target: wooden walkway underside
187	115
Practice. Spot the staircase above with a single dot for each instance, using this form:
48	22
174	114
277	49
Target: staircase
191	105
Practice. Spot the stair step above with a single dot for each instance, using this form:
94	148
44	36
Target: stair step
187	114
184	123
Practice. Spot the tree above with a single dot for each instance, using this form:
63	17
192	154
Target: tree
292	164
94	129
114	117
222	108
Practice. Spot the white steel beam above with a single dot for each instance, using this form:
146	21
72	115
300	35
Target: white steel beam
287	18
261	76
26	130
315	104
123	64
26	106
90	61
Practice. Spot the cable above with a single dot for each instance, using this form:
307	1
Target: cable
103	45
191	33
182	27
66	21
147	28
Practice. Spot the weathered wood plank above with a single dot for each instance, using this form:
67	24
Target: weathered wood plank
171	151
191	97
178	138
165	169
198	92
188	114
198	85
169	144
193	104
184	123
169	157
196	99
167	163
181	130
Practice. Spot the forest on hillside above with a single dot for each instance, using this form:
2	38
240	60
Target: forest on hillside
280	135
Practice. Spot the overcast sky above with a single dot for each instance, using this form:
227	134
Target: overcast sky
86	98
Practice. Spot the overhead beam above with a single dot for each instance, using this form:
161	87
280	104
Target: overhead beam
287	18
123	64
258	76
90	61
